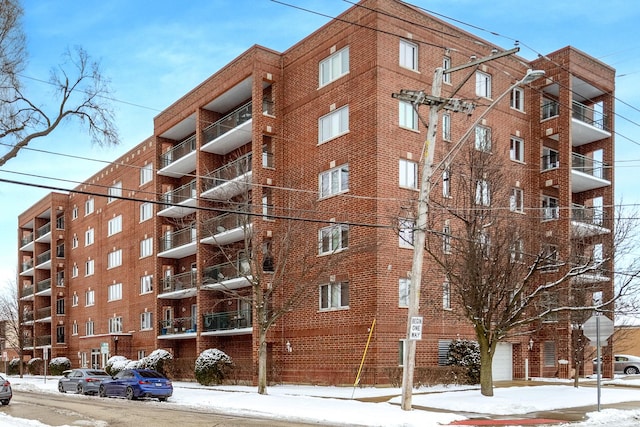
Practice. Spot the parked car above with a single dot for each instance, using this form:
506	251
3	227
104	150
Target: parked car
82	381
623	364
137	383
5	392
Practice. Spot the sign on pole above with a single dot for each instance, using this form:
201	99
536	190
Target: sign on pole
598	328
416	328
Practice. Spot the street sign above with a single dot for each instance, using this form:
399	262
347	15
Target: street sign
416	328
598	324
104	347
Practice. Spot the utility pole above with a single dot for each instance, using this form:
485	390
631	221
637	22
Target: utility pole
436	103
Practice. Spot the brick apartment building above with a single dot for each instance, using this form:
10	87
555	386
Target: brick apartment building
292	167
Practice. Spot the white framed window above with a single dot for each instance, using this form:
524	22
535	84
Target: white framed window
483	138
446	183
516	200
483	193
334	67
517	250
334	296
334	181
404	286
550	257
89	237
74	213
405	232
268	211
114	225
75	300
141	354
550	208
517	99
407	115
114	192
89	206
334	124
446	238
89	298
146	247
146	211
408	55
89	268
408	174
114	259
88	328
446	295
115	325
114	292
146	173
146	321
446	64
74	241
446	127
516	149
550	159
598	253
333	238
402	345
483	84
74	328
74	271
146	284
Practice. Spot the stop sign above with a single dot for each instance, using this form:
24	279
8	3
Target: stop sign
595	325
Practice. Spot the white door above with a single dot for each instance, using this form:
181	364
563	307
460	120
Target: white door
502	366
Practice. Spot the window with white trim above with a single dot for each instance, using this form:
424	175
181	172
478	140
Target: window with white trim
517	99
404	286
333	238
114	259
89	206
446	238
446	183
146	211
75	300
114	192
446	64
407	115
334	295
114	292
74	213
146	173
74	241
88	328
483	84
268	211
146	247
89	237
516	200
549	353
446	127
550	208
114	225
550	257
74	271
334	181
516	149
402	344
408	174
89	268
408	55
446	295
334	67
517	250
74	328
405	232
115	325
146	284
334	124
550	159
89	298
483	193
146	321
483	138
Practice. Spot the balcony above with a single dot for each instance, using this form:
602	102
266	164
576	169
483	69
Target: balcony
597	275
43	315
43	261
43	288
180	202
178	286
587	173
26	268
27	317
178	328
43	234
227	323
587	125
179	244
226	229
228	181
43	341
228	275
179	160
27	293
587	221
27	242
230	132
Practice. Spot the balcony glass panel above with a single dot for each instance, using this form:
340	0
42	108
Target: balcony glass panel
228	122
178	238
44	285
27	265
25	240
178	282
589	115
228	172
179	195
179	151
43	230
43	313
27	291
589	166
43	340
587	215
227	320
43	257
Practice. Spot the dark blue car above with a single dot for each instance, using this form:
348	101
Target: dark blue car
137	383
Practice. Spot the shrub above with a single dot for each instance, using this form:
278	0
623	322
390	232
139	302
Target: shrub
134	364
212	366
14	367
115	364
58	365
157	361
35	366
466	354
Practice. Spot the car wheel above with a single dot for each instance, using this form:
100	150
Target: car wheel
80	389
4	402
61	388
102	392
162	399
129	394
631	370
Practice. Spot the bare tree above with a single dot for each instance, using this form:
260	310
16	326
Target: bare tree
10	316
80	92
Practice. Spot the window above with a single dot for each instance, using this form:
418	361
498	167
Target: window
74	213
89	268
333	238
517	250
267	204
88	206
115	325
550	159
483	138
74	328
484	244
550	209
550	257
334	181
141	354
446	183
446	127
334	296
549	353
548	303
446	64
443	352
516	200
74	271
146	284
146	247
446	295
483	84
550	108
74	242
114	259
114	292
114	192
404	285
516	150
74	300
89	298
146	211
408	116
89	327
146	173
408	55
60	306
146	321
334	67
333	124
483	194
88	237
446	238
405	232
401	350
408	174
517	99
114	225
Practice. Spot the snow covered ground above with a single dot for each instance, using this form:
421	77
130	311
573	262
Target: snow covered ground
338	405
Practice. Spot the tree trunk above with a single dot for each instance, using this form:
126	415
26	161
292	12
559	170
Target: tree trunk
262	362
486	359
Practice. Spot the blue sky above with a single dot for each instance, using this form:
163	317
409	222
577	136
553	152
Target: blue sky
154	52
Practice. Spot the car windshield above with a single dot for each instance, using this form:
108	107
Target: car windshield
98	373
150	374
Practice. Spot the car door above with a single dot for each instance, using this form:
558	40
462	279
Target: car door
620	362
65	380
74	379
121	382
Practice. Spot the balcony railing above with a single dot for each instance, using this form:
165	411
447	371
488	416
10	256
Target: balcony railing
228	172
180	194
226	271
179	325
27	265
44	285
178	282
27	291
27	316
228	122
43	257
550	108
589	166
25	240
222	223
587	215
179	151
43	230
589	115
226	320
43	340
43	313
178	238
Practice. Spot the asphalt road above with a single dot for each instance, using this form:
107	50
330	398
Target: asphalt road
90	411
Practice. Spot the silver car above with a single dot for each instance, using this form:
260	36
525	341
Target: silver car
623	364
82	381
5	391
